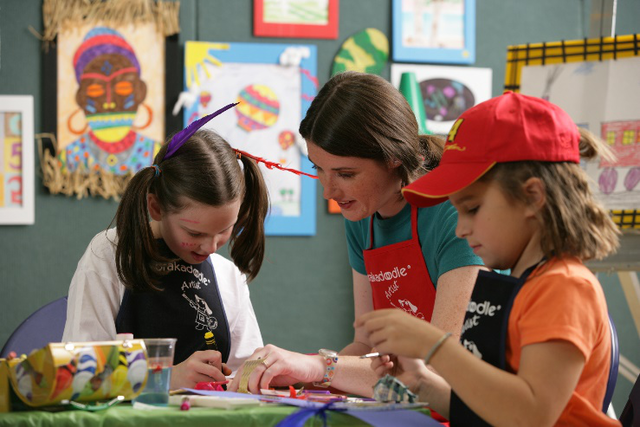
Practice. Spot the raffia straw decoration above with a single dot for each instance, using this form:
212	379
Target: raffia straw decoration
59	13
81	183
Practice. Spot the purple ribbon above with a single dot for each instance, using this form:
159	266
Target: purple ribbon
376	418
298	418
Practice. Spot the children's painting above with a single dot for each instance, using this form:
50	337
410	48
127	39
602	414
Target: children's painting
16	160
367	51
447	92
296	18
440	31
603	97
11	159
433	24
110	97
274	85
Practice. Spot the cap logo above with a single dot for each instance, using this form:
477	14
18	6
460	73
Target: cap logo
451	145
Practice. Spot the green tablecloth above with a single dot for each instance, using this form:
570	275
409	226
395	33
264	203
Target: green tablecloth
124	415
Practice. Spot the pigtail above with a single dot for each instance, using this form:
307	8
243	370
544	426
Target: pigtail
247	245
136	245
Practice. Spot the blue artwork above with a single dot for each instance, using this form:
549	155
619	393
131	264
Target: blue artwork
274	85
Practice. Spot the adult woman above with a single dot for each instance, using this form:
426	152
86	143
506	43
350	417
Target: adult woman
363	139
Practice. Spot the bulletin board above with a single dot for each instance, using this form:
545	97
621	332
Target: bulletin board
586	57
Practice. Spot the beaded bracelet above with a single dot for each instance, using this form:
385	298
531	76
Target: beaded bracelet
435	347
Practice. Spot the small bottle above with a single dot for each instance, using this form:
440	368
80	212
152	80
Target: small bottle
210	340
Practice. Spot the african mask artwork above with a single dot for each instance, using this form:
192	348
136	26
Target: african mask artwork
110	94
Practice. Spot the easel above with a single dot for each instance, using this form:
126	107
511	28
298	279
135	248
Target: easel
603	18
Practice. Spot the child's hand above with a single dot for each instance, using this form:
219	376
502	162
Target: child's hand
393	331
201	366
383	365
407	370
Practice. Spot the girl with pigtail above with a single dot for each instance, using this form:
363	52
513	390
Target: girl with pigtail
162	277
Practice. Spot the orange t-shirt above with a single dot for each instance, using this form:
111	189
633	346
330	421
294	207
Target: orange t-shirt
563	300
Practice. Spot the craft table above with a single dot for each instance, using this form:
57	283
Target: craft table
124	415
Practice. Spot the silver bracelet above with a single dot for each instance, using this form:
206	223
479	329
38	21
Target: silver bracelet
435	347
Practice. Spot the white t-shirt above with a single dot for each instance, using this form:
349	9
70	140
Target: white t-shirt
96	293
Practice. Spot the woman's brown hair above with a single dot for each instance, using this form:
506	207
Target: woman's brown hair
573	222
363	115
205	169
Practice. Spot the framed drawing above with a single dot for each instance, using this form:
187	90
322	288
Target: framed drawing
440	31
315	19
446	91
273	99
16	160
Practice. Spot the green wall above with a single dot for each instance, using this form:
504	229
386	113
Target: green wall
303	294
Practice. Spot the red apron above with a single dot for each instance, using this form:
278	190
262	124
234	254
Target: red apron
398	274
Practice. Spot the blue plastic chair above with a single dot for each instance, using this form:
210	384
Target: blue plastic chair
613	370
630	415
45	325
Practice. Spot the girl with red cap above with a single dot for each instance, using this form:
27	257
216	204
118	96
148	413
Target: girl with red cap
535	347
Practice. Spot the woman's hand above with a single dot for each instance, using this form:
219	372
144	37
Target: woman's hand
201	366
280	368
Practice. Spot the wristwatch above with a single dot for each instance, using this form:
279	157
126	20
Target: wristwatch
331	359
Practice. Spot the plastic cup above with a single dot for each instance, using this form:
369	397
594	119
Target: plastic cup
410	88
159	361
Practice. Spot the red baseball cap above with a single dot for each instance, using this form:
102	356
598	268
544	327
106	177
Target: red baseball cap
508	128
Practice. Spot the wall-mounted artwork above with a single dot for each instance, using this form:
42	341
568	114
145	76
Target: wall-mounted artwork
273	94
110	97
437	31
317	19
446	91
597	95
108	74
366	51
16	160
592	80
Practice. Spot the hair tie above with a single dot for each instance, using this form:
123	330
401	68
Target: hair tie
157	168
271	165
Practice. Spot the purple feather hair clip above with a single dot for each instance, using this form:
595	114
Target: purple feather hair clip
182	136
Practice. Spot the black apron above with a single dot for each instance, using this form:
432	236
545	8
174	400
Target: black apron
188	306
484	332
